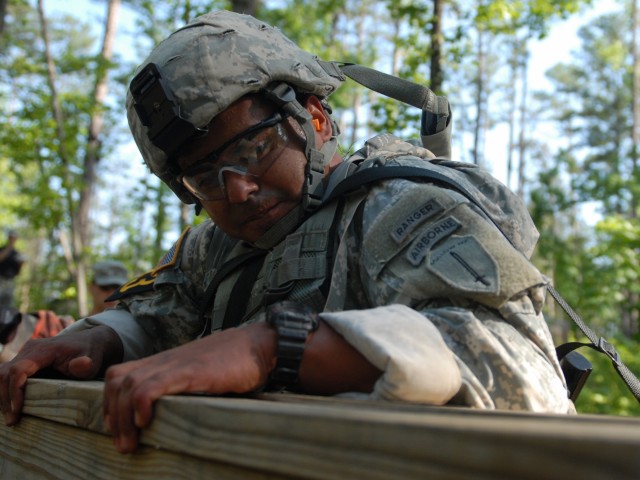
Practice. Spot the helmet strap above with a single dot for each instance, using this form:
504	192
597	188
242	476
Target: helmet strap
281	229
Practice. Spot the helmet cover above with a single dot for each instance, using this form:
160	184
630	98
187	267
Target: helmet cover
214	61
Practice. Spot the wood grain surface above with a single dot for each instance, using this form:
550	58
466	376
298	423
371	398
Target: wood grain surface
291	436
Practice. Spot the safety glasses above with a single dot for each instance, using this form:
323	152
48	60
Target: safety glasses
249	153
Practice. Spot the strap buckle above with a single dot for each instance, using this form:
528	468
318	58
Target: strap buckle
609	350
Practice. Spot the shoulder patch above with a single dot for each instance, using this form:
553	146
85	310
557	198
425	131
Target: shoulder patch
414	219
464	263
170	258
429	237
145	282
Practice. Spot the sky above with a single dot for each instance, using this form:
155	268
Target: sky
557	47
562	40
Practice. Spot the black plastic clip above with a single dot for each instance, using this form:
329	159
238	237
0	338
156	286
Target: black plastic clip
609	350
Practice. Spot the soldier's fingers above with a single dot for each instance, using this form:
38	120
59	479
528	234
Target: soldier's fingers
13	398
5	397
122	417
82	367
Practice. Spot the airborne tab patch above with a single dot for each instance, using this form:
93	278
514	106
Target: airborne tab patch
414	219
429	237
145	282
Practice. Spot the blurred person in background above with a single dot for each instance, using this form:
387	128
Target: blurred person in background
11	261
17	328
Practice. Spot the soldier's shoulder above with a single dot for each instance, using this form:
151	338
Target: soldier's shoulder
187	251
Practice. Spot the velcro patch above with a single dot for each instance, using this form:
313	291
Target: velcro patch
429	237
410	222
170	258
144	282
464	263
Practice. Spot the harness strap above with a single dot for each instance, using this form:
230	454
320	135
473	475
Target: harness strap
599	344
331	247
429	172
403	90
237	303
220	275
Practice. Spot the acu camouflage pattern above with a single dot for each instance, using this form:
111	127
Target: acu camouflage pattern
213	61
485	300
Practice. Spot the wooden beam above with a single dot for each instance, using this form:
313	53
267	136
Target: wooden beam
293	436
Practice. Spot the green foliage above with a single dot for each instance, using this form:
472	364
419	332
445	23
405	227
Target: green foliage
157	20
600	114
507	16
595	266
616	268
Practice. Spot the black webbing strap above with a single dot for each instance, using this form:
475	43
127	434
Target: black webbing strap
220	275
332	247
238	298
368	175
597	343
373	174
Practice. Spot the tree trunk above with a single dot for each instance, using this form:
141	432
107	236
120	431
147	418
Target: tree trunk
513	75
635	99
630	317
56	108
3	14
58	116
480	74
250	7
356	103
522	147
92	156
437	75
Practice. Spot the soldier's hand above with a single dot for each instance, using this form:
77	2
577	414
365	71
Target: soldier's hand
79	355
237	360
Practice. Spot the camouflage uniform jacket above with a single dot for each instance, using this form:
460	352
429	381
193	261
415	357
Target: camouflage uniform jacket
421	283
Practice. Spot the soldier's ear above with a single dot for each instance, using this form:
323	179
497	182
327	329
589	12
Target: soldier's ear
319	118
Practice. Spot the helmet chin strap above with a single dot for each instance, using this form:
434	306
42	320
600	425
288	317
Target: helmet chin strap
281	229
317	159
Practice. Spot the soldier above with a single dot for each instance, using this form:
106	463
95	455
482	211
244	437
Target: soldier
107	277
402	290
11	262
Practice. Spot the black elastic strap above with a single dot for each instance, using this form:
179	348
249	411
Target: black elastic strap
331	248
225	270
374	174
238	298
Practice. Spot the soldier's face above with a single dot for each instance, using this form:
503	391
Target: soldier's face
245	200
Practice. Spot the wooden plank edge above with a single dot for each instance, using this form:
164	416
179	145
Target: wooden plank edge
327	438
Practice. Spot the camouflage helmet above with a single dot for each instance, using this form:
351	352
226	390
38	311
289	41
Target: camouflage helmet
201	69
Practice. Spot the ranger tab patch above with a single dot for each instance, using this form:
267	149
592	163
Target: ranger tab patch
145	282
414	219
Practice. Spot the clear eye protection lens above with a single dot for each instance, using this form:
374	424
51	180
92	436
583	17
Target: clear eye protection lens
249	156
